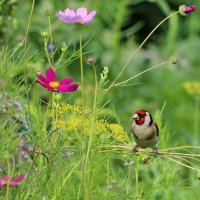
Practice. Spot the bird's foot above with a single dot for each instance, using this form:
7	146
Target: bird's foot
146	160
135	148
155	152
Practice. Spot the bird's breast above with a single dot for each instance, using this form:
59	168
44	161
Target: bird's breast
143	132
140	132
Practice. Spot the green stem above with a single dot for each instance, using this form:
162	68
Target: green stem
149	69
81	65
64	181
96	88
107	176
25	66
28	25
88	155
53	117
53	107
136	51
46	50
196	120
136	177
82	103
51	39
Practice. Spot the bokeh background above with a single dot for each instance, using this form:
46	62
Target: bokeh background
118	29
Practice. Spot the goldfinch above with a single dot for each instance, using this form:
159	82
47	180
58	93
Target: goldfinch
145	131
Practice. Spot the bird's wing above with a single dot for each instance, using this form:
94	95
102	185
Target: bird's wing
157	129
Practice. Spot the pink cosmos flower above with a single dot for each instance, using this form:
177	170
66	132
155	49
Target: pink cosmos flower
81	16
49	82
185	10
8	181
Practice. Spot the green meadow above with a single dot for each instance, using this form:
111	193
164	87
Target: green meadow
70	82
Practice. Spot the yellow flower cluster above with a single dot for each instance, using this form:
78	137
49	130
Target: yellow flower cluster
63	108
74	118
193	88
118	132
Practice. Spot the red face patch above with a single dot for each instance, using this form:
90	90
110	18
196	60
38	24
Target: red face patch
141	114
140	121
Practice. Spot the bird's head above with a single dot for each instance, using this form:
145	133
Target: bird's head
142	117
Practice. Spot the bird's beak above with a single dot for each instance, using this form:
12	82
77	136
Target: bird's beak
135	117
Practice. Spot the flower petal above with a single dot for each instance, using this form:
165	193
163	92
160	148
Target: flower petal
6	177
68	88
60	14
81	12
73	20
68	19
50	75
2	182
42	78
44	85
20	178
66	81
90	17
70	13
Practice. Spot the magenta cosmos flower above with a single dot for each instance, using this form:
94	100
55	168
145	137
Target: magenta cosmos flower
49	82
185	10
8	181
81	16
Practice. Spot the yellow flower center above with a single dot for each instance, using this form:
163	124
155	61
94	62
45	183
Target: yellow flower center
54	85
3	182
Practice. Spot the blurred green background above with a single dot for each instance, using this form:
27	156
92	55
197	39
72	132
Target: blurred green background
119	27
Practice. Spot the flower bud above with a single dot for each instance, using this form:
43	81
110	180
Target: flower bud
44	34
58	97
185	10
51	48
64	48
174	61
91	60
47	13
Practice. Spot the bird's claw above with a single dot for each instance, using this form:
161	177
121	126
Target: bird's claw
135	148
155	152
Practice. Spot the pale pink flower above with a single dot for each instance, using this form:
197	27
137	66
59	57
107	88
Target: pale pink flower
80	16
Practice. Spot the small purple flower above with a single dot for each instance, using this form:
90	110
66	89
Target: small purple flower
51	48
81	16
185	10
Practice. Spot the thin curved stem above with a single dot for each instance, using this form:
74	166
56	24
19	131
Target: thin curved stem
180	163
136	51
139	74
28	25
